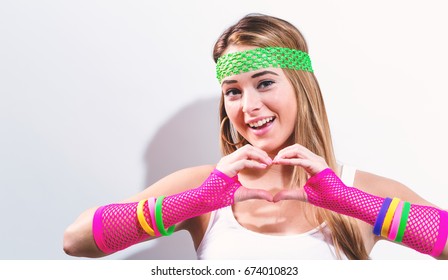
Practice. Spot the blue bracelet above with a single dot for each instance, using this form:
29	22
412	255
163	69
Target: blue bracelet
381	215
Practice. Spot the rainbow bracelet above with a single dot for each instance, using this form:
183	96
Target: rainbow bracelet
389	216
159	219
381	215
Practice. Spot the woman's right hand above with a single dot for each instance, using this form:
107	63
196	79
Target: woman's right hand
246	157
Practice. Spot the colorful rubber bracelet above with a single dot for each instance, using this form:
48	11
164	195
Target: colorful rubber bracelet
403	221
380	218
152	210
141	218
443	235
159	219
389	216
396	222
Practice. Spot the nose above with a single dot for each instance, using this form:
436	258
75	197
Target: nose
251	101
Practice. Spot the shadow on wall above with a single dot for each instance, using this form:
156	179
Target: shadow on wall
189	138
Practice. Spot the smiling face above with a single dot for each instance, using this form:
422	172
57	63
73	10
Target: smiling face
261	105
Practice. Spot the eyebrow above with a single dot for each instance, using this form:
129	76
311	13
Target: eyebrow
263	73
229	82
253	76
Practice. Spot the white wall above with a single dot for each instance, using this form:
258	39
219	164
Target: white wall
101	98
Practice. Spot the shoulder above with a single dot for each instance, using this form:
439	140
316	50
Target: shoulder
386	187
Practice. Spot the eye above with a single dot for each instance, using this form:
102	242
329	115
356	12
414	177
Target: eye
265	84
232	92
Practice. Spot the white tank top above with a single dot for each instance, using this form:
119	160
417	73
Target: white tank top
225	238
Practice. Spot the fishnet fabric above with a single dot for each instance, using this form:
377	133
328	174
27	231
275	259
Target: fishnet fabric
326	190
260	58
422	229
120	227
116	226
216	192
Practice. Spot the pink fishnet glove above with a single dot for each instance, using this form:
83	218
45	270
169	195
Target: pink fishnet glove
116	227
216	192
427	227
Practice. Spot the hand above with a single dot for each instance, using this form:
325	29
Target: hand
243	193
290	194
298	155
247	156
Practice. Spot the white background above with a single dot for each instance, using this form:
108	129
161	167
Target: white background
99	99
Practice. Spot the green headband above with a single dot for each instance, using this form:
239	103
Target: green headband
255	59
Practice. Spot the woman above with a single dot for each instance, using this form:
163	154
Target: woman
276	193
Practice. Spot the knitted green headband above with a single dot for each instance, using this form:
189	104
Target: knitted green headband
255	59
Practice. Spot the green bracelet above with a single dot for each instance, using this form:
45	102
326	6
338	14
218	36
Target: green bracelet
403	221
159	220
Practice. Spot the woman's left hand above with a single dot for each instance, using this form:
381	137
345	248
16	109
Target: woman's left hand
298	155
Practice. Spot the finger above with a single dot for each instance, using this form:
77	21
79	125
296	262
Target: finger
245	163
311	167
295	151
305	163
244	193
294	194
236	161
283	152
254	153
233	169
287	154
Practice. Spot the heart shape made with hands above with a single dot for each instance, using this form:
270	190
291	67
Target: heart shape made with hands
250	157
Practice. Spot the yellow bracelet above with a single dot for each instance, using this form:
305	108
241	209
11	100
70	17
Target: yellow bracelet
389	216
142	220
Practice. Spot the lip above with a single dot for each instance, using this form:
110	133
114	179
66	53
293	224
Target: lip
264	130
258	119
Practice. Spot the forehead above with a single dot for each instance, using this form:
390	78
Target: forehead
232	79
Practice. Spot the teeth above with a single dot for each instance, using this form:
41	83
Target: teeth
260	122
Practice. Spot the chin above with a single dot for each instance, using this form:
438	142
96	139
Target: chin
271	147
268	148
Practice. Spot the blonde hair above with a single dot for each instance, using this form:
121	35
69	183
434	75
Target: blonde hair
312	130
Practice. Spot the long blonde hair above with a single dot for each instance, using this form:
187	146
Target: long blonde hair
312	130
